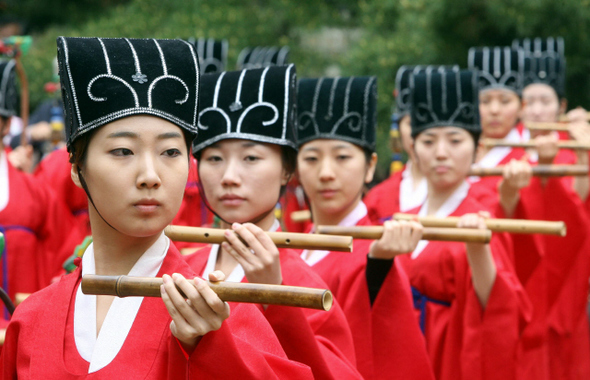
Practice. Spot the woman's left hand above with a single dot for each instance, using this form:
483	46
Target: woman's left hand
203	311
259	256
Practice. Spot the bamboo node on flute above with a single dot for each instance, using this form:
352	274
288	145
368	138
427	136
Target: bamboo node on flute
467	235
129	286
280	239
517	226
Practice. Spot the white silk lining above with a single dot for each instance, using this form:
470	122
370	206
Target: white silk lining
100	351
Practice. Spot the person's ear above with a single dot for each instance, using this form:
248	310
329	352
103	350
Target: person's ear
285	177
75	176
372	165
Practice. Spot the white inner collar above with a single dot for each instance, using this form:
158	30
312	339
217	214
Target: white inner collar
100	351
237	274
410	198
495	155
447	208
359	212
4	188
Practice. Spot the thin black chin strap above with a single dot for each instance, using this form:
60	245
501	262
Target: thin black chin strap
85	187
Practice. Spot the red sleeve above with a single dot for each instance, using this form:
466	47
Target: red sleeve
315	340
378	330
59	235
491	335
243	348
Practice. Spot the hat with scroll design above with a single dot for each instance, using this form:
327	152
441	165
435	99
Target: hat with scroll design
549	70
8	88
443	98
212	54
263	56
106	79
251	104
339	109
541	47
499	67
402	85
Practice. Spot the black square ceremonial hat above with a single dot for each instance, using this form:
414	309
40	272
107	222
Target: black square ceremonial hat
442	98
499	67
212	54
337	108
105	79
549	70
8	89
251	104
263	56
402	85
540	47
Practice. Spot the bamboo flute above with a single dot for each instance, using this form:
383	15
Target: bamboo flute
538	171
518	226
128	286
301	215
570	144
281	239
467	235
536	126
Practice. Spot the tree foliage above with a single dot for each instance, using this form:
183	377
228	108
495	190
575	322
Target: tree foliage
379	35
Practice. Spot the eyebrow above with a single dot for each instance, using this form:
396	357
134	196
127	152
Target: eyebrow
133	135
169	135
123	134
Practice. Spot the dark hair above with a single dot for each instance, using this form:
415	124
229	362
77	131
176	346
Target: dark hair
368	155
79	148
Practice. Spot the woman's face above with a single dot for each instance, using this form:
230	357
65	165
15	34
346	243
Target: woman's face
445	155
499	110
333	173
136	170
242	179
540	103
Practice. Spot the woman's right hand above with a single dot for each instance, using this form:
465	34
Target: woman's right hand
399	237
203	311
517	175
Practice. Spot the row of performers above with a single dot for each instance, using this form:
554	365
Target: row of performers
405	307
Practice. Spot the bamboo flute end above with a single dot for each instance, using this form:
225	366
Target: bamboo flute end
327	300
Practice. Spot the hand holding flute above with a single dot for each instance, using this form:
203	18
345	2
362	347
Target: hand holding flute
398	238
202	312
129	286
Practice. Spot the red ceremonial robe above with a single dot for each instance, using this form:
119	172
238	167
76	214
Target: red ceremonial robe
395	194
294	200
388	341
555	272
319	339
36	228
464	340
499	156
55	172
40	341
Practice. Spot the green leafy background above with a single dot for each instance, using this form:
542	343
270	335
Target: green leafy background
326	37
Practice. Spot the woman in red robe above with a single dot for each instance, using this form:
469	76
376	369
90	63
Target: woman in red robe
131	158
34	223
334	164
405	189
246	154
472	306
